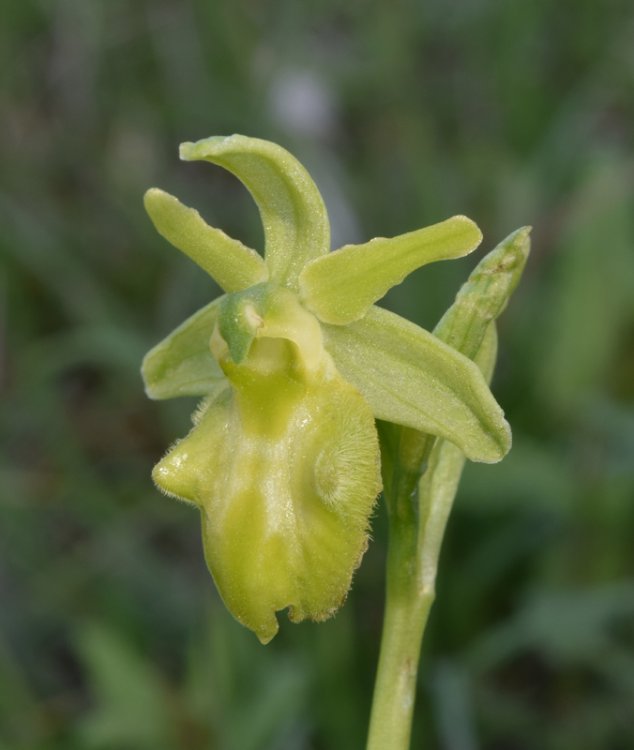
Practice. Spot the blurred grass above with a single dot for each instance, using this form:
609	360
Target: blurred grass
111	635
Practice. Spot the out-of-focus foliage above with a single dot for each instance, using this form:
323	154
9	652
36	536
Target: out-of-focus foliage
405	113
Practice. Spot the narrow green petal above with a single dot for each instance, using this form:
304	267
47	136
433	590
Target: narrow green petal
340	287
231	264
484	295
410	377
182	364
296	228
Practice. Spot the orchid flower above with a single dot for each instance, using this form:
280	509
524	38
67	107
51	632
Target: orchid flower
294	363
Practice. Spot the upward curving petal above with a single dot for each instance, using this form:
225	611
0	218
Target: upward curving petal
340	287
231	264
410	377
295	222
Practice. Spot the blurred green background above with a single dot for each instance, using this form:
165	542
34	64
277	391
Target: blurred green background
111	634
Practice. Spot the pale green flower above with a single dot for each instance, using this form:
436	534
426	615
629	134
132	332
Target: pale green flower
295	362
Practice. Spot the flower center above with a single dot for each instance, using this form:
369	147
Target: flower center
271	350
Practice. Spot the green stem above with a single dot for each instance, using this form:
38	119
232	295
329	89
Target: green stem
418	513
406	611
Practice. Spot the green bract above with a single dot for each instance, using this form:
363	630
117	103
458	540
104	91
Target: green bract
295	362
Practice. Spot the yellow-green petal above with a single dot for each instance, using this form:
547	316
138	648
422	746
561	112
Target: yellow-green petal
410	377
340	287
296	227
232	265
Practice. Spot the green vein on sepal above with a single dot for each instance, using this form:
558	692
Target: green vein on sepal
486	356
231	264
341	286
182	364
296	227
410	377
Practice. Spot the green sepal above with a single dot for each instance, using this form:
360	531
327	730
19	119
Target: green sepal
296	227
232	265
340	287
182	363
410	377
